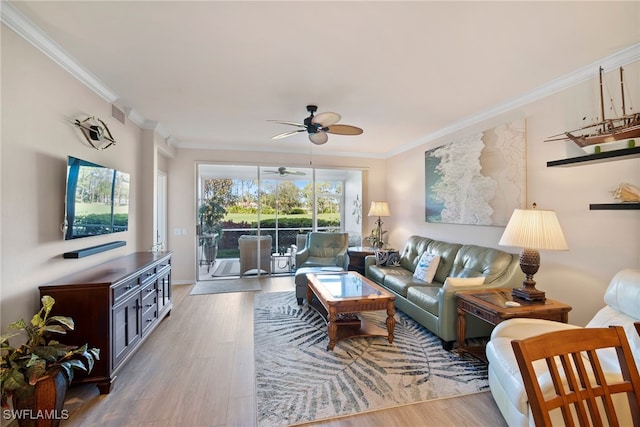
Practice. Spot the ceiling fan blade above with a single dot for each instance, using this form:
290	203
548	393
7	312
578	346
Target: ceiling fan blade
326	119
318	138
288	123
344	130
290	172
286	134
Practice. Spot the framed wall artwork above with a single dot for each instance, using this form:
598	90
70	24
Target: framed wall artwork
477	180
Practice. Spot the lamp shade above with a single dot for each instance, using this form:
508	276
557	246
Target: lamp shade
534	229
379	209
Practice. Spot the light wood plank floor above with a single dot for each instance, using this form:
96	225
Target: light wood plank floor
197	369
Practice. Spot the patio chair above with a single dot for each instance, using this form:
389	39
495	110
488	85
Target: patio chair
248	246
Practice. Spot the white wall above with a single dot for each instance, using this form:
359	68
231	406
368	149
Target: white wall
38	100
600	242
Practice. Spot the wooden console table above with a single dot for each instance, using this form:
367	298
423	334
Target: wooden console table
489	305
115	306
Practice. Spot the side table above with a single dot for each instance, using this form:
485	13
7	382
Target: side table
356	257
287	264
489	305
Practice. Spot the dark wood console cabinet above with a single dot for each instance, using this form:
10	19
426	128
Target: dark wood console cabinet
115	306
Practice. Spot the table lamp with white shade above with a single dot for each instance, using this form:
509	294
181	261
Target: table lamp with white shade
532	230
379	209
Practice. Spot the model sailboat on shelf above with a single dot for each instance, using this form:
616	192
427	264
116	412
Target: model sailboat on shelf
609	129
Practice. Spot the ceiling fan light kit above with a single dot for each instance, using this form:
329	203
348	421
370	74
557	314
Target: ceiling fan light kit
317	126
283	171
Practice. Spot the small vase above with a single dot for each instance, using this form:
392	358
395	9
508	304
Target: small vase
44	407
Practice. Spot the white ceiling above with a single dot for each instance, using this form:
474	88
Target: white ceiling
210	74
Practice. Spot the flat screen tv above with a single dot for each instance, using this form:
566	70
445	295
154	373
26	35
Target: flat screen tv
97	200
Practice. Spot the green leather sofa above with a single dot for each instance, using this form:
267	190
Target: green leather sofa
433	305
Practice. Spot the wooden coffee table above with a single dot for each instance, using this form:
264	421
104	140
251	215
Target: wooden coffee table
343	295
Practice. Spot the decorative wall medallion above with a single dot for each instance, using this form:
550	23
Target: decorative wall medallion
357	209
96	132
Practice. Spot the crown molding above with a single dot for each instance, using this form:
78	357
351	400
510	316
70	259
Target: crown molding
16	21
19	23
618	59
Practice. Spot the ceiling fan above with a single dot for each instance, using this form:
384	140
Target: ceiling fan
282	171
318	126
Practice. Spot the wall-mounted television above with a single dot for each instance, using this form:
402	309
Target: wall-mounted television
97	200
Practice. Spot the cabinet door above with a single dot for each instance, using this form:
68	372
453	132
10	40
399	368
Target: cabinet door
149	306
164	291
126	328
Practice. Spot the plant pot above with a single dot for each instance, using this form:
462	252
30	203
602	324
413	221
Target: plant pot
211	251
44	407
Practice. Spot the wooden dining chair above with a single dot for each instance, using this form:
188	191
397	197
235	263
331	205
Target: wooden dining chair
582	388
637	325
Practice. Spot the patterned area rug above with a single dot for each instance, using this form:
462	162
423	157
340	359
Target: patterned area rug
298	380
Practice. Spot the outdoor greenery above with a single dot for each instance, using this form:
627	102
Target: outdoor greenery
288	197
232	205
217	196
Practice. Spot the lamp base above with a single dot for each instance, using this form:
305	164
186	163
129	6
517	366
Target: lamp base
529	293
529	264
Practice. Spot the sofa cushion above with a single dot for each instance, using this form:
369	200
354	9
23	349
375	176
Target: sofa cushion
399	280
447	252
413	250
377	272
475	261
417	245
425	297
609	316
459	282
427	266
623	292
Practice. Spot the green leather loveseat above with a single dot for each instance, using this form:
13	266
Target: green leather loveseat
433	305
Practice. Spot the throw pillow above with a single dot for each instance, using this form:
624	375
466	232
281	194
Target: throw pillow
387	258
463	281
427	266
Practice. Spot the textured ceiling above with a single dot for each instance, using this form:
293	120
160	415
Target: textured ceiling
212	73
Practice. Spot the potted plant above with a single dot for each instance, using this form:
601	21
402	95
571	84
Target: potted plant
375	238
36	374
212	211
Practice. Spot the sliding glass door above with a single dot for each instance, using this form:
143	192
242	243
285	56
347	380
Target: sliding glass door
278	202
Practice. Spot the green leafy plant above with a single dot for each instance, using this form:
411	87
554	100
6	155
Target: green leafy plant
39	357
375	239
212	211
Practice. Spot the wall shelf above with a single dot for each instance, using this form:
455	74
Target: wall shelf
614	206
605	156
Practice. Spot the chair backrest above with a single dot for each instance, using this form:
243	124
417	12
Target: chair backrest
301	241
578	386
248	246
327	245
